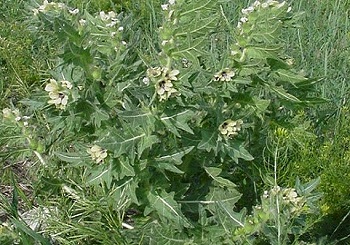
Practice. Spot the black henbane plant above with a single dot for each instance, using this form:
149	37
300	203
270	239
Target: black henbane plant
165	128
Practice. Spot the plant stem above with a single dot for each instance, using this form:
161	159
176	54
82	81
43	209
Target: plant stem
277	196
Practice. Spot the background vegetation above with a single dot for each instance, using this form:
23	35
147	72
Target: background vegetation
317	148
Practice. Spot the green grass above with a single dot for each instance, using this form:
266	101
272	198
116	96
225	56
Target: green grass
322	48
21	64
322	45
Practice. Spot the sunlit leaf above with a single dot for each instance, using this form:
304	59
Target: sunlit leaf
178	120
224	195
236	219
71	157
167	207
120	142
100	174
125	168
212	171
282	93
176	156
236	151
139	117
289	76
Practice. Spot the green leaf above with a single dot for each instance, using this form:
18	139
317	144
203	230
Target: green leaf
98	116
145	143
26	230
77	55
242	80
289	76
32	104
261	52
214	174
209	141
167	162
15	194
100	174
265	34
309	187
276	64
125	167
223	195
315	100
175	157
282	93
167	166
261	105
178	120
236	219
212	171
309	83
236	151
120	141
132	187
71	157
65	30
244	154
166	206
139	117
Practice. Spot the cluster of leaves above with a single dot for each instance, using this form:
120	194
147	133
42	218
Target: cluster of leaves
161	132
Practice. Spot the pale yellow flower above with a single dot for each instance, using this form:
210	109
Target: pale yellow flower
73	11
154	72
108	16
66	84
46	6
60	100
163	79
97	153
52	87
225	75
82	22
165	6
7	113
165	89
58	96
230	128
171	75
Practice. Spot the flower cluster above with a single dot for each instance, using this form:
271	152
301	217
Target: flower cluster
224	75
97	153
166	6
110	18
279	203
289	197
257	5
15	115
163	78
58	92
166	31
73	11
247	27
230	128
46	6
